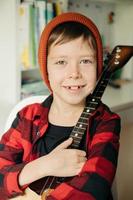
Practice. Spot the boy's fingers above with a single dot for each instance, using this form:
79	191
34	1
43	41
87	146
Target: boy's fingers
82	159
64	144
81	153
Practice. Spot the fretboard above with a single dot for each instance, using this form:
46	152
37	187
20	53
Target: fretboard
91	106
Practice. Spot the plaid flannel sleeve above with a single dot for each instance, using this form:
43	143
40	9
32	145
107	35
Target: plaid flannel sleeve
96	177
11	161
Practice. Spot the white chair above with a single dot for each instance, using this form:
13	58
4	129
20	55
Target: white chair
39	99
20	105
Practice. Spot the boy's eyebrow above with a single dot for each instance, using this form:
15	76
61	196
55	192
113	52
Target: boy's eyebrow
58	56
65	56
88	55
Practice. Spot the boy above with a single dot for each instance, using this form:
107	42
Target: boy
70	58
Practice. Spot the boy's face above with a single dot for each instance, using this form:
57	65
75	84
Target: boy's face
72	71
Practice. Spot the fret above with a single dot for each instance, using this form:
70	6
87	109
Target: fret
80	126
77	138
76	141
81	123
99	96
77	135
89	113
100	91
96	98
103	85
89	109
74	137
86	118
77	128
86	111
74	145
77	132
105	80
86	115
90	106
93	102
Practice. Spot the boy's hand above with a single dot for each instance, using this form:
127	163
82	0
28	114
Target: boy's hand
66	162
61	162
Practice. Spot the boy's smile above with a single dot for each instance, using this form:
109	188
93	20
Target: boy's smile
72	71
74	88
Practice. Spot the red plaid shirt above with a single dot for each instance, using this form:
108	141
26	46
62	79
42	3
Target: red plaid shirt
95	179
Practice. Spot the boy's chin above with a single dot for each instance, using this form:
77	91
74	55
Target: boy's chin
75	100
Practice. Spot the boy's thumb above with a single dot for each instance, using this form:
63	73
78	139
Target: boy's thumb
64	144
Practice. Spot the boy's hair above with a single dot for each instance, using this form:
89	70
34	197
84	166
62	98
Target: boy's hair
54	24
69	31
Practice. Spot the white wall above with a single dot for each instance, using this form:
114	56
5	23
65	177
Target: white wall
8	37
124	175
98	12
123	31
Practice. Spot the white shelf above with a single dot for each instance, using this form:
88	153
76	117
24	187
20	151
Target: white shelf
119	99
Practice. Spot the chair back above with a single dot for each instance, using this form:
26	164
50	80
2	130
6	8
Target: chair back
20	105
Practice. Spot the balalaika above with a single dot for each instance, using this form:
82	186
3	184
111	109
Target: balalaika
117	59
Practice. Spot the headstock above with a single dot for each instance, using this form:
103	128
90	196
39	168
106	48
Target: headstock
119	57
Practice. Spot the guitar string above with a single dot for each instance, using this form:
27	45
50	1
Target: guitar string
42	190
104	75
53	179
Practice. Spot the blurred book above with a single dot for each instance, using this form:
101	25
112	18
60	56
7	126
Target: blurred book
40	7
56	8
24	32
50	12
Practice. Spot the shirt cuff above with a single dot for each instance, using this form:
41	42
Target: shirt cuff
11	181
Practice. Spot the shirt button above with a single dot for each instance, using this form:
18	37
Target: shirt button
38	133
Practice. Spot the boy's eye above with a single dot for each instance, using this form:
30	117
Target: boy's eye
86	61
61	62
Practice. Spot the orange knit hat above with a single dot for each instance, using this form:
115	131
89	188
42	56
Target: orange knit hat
67	17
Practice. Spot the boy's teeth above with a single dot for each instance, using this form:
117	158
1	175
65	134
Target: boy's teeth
74	87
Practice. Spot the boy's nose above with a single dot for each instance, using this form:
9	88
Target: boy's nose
74	71
75	75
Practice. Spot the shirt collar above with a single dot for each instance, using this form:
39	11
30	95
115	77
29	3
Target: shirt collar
45	106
